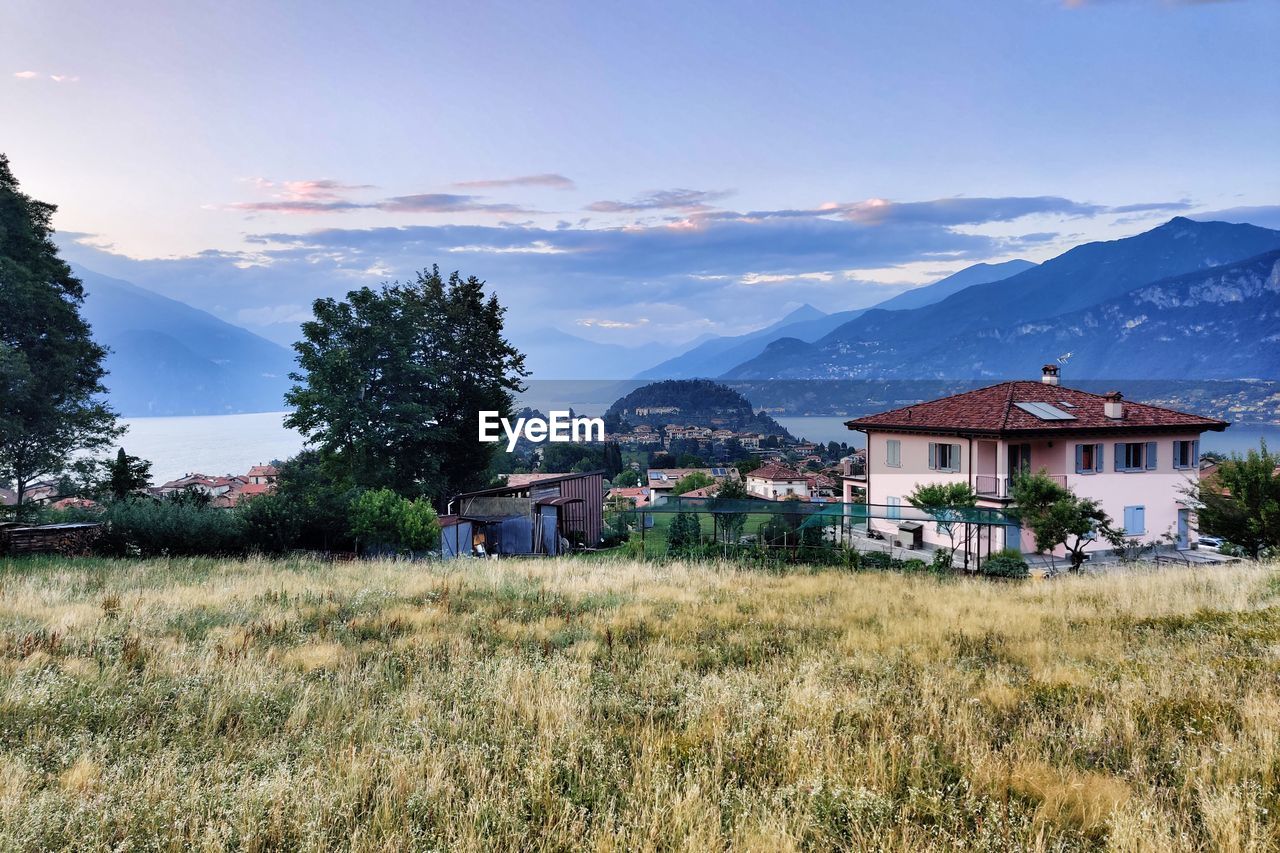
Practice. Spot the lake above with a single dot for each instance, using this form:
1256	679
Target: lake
230	444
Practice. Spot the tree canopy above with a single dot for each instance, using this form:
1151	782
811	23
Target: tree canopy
1059	517
392	381
50	367
1240	501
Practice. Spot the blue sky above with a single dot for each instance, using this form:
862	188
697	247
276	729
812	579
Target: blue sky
627	172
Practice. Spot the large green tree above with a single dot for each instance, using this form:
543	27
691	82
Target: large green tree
51	371
392	381
947	503
1241	501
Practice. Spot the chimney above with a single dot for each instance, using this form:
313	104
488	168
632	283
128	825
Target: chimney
1049	374
1114	405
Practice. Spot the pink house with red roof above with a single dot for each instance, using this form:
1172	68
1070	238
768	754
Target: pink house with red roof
1135	459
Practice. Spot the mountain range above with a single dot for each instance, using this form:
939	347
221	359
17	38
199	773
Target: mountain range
1079	305
720	355
167	358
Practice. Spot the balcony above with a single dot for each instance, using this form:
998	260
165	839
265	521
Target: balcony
1001	488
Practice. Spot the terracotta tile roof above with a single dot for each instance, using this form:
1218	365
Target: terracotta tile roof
993	410
775	471
704	492
263	471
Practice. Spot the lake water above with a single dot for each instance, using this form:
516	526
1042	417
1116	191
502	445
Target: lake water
230	444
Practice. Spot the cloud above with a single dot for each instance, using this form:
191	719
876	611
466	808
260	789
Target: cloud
445	203
26	75
1264	215
592	322
549	180
1153	207
65	78
677	199
326	195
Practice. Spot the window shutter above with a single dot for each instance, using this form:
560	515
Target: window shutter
955	457
1097	458
1151	455
1140	519
933	456
1195	454
1119	456
1079	458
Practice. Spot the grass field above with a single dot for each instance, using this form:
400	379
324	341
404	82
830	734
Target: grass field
627	706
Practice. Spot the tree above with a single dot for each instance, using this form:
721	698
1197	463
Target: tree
946	502
691	481
393	380
50	368
1058	517
387	521
684	534
125	475
626	479
730	523
1241	501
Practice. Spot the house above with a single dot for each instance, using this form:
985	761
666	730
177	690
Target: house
263	475
1136	459
662	481
531	514
777	482
631	497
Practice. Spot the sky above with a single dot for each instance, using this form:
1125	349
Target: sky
639	173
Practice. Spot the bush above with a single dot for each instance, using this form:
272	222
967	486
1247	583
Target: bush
147	527
914	565
1005	564
876	560
383	521
942	561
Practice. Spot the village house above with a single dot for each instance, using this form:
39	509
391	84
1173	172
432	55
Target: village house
662	481
1135	459
777	482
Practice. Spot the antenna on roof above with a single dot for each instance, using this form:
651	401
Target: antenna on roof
1065	357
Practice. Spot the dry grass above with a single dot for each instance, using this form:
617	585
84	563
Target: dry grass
625	706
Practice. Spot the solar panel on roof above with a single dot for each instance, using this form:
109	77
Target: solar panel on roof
717	472
1064	404
1045	412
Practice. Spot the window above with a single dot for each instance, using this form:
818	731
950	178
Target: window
1135	520
893	453
1136	456
1186	454
1088	458
895	508
944	457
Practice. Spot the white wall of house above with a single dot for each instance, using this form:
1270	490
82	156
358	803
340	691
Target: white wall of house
777	489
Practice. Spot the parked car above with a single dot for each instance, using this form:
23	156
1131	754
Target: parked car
1210	542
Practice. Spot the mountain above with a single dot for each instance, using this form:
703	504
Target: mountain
168	358
919	297
925	342
553	354
718	354
807	323
1219	323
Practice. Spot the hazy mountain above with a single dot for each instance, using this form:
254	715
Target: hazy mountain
718	354
168	358
919	297
926	342
553	354
807	323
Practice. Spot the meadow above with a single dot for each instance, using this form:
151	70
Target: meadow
617	705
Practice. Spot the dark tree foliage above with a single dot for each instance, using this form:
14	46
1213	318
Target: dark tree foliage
125	475
392	381
1057	516
1241	501
50	368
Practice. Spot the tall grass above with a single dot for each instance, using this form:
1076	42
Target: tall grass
175	704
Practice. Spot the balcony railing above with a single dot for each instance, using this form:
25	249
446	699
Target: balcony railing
991	486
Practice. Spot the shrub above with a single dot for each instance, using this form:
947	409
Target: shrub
148	527
1005	564
383	521
942	561
914	565
876	560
